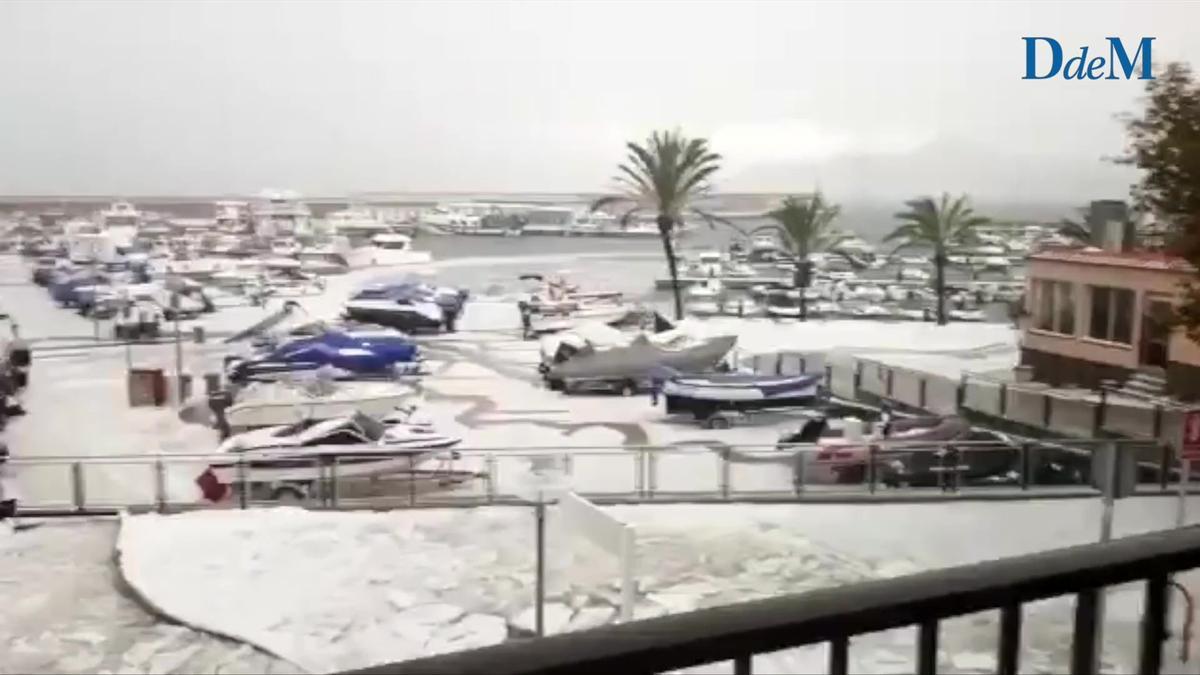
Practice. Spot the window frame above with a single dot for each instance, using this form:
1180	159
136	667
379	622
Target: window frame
1112	307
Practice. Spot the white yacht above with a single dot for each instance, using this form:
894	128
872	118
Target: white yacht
343	253
232	217
121	221
88	242
280	213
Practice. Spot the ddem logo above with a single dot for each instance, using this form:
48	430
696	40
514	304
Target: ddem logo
1118	63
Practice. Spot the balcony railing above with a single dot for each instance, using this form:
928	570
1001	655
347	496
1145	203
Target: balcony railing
737	632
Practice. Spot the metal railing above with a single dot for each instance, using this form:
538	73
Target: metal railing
738	632
1054	411
1012	468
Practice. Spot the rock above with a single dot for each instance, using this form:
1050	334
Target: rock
432	614
591	617
555	615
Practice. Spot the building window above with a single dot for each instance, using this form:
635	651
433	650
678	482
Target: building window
1055	307
1112	314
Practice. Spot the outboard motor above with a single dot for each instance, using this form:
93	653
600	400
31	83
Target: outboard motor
809	433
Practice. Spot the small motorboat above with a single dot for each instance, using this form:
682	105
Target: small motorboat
264	404
286	461
706	396
407	305
628	368
914	274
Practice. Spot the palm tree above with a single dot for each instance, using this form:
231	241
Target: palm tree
666	176
805	226
941	226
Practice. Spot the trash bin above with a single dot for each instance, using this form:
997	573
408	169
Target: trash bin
212	383
147	387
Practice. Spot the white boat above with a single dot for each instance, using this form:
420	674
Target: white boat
273	403
914	274
232	217
121	221
88	243
703	308
281	213
914	261
287	459
870	311
285	247
707	289
974	315
910	314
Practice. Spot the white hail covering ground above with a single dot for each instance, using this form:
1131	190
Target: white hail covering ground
328	591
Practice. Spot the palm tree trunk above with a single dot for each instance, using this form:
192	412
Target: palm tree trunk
800	281
665	228
939	285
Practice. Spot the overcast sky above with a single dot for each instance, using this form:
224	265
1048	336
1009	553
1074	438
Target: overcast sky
147	97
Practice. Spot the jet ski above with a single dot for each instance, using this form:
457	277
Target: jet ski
379	355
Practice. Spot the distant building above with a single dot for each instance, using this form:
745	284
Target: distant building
1097	315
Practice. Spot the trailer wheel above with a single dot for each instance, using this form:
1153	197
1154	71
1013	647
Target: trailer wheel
628	388
288	494
719	422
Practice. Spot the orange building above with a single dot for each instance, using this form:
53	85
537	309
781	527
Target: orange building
1097	315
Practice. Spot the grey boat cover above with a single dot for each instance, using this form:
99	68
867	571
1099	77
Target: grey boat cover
640	358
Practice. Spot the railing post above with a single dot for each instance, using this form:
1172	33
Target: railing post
1003	407
960	393
725	476
160	486
243	482
1164	463
1024	458
891	382
78	488
1158	421
1010	640
839	655
412	483
829	378
1083	642
489	467
333	482
927	647
639	474
1154	619
872	451
742	664
858	373
1047	410
921	393
1100	412
651	474
803	366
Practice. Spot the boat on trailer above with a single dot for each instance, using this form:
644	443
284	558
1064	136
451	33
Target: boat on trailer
706	396
288	461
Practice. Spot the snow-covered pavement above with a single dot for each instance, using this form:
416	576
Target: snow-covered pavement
391	586
62	612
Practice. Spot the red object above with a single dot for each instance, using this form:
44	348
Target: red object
211	487
1189	448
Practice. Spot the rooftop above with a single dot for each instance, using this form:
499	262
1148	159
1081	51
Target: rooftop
1141	259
